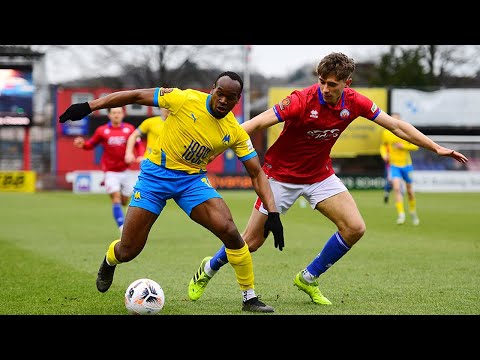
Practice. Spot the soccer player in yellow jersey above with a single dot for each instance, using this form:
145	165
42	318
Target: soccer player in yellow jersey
151	128
397	152
199	126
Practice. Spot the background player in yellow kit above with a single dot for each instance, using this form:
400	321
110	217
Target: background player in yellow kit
149	128
397	152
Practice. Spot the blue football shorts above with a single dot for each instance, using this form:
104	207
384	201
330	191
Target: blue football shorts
403	172
156	185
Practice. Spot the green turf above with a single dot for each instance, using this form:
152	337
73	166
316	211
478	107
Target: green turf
51	245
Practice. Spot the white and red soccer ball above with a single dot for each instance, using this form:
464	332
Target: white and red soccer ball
144	297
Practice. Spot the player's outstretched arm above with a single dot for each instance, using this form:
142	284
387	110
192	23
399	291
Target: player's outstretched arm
443	151
116	99
410	133
261	121
131	141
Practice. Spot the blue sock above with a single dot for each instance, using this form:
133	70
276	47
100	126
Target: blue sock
333	250
388	186
118	214
219	259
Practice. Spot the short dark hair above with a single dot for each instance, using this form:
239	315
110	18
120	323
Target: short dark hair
338	64
232	75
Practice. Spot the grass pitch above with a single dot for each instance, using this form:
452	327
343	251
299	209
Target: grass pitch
52	244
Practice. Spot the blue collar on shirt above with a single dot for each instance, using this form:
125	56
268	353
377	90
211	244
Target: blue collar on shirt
110	124
322	102
208	104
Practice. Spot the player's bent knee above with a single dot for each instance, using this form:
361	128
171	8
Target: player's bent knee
357	232
227	230
353	233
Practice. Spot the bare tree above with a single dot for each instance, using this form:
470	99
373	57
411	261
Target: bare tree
446	60
427	65
139	65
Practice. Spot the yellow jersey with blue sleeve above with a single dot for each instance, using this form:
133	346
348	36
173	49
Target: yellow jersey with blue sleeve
399	157
191	134
151	128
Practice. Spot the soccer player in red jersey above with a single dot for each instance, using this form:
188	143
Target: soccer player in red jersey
113	137
299	164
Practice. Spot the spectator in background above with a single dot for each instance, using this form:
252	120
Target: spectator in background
397	154
149	128
113	137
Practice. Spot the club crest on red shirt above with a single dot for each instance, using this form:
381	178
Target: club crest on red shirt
284	103
344	114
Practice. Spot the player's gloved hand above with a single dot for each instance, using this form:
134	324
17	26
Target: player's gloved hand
76	112
274	225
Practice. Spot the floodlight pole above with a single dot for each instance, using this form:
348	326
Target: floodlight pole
246	82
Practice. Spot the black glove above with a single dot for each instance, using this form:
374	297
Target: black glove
274	225
76	112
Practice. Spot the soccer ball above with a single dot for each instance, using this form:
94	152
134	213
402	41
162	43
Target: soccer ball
144	297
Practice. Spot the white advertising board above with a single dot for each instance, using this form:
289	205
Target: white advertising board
446	181
446	107
90	181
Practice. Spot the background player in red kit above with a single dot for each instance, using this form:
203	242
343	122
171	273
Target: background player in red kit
299	164
113	137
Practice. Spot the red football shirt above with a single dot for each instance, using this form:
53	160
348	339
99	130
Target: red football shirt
301	154
114	142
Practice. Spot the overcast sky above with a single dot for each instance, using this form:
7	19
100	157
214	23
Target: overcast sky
279	60
268	60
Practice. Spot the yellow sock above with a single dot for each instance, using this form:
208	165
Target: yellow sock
111	259
241	260
400	208
412	205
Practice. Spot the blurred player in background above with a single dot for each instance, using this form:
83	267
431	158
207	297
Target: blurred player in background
397	152
199	126
298	164
149	128
384	153
113	137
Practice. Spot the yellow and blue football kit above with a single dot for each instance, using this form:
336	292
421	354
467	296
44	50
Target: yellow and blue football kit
399	158
400	168
151	127
176	167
